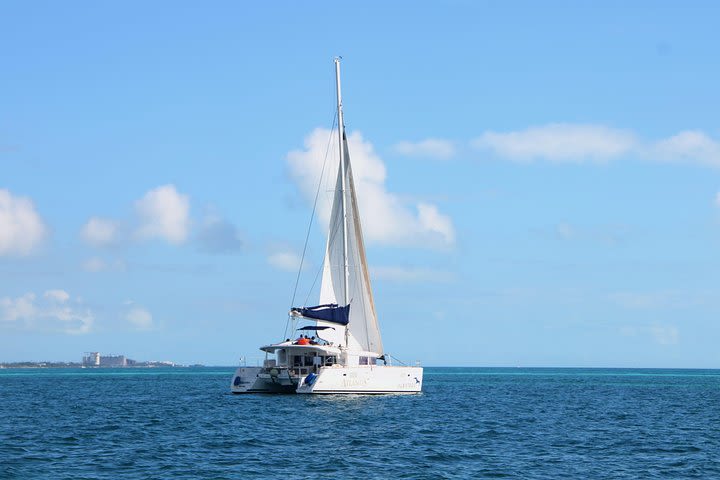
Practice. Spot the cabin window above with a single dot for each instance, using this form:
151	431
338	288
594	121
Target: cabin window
364	360
329	361
297	361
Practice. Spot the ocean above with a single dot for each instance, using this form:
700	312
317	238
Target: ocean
468	423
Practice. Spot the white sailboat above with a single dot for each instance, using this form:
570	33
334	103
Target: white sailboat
344	351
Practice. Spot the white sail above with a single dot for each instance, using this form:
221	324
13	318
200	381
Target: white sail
363	331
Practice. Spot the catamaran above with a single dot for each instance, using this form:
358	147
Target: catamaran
340	350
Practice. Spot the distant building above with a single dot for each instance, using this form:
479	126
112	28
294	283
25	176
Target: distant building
91	359
113	361
94	359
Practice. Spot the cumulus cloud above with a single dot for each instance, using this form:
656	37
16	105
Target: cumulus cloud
21	228
53	312
164	213
688	147
559	142
219	236
577	143
100	232
386	218
288	261
14	309
431	220
140	318
430	148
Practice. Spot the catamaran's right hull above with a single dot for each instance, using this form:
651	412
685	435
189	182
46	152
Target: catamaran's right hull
379	379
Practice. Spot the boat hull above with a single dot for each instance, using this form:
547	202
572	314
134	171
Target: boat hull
252	380
381	379
368	380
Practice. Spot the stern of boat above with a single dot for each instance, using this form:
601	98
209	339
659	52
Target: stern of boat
245	380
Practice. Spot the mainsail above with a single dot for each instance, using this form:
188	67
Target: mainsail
363	332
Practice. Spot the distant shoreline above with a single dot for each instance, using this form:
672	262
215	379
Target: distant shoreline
94	367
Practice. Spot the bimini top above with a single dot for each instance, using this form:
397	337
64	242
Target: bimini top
322	349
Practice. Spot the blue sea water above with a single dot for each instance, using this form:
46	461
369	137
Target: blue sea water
468	423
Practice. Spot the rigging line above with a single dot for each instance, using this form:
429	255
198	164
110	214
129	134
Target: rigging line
313	284
312	215
397	359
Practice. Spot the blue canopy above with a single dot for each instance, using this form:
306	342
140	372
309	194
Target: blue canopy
329	313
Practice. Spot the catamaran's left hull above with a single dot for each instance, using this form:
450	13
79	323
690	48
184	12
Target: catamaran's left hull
252	380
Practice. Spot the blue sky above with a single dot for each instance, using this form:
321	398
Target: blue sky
540	179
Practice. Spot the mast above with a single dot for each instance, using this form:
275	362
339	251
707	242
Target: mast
341	136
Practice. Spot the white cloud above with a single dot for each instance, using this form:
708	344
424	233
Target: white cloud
431	148
577	143
140	318
59	296
100	232
559	142
431	220
386	218
53	312
688	147
14	309
164	213
409	274
21	228
288	261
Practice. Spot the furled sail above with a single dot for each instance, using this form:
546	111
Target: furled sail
363	332
330	313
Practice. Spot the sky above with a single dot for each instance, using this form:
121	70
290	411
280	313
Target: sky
539	182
